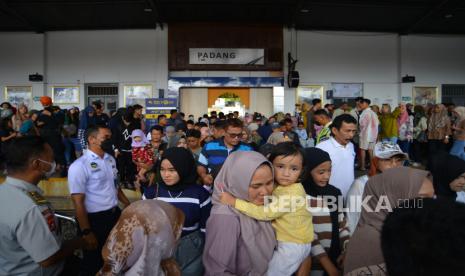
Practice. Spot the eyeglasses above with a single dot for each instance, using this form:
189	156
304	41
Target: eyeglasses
235	135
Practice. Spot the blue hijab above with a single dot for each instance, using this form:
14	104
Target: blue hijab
86	121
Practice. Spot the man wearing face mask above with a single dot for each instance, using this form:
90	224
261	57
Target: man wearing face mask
31	239
93	184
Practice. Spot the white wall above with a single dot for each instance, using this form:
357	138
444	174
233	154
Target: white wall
141	57
123	56
21	54
433	60
79	57
327	57
375	59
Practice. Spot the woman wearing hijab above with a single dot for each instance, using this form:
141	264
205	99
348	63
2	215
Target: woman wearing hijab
171	138
439	129
446	169
237	244
331	232
85	121
388	123
385	191
21	115
177	185
386	156
420	139
405	126
143	240
458	149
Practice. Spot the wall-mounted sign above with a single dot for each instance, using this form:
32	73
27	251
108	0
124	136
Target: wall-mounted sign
240	56
347	90
406	98
158	103
157	106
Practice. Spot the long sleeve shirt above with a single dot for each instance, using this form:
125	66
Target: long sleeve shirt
368	126
323	229
291	219
406	129
194	201
422	125
354	202
389	124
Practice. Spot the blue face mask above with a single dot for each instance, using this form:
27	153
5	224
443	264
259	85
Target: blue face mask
53	166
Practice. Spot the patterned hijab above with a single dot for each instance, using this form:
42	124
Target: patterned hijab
403	118
461	112
235	177
438	120
143	240
393	185
276	138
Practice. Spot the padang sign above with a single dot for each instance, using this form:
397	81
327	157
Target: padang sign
236	56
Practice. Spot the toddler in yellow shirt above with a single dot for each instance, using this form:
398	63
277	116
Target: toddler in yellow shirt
291	219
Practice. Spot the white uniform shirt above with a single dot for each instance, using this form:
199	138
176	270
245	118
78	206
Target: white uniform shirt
354	202
97	179
342	161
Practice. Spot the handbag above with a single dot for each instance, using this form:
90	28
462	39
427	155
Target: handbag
422	137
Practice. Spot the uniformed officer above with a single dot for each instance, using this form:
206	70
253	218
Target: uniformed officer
30	237
94	189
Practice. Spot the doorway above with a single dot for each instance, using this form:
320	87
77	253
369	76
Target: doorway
228	100
106	93
199	100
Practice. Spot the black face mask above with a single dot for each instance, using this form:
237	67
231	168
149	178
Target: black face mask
107	146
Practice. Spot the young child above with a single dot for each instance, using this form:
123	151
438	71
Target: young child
141	154
291	219
302	133
331	231
182	142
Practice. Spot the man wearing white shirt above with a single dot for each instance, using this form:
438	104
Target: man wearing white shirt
368	123
93	185
341	150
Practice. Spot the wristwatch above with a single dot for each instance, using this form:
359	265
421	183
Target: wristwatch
86	232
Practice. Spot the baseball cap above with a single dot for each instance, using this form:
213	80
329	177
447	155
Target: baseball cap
46	101
386	150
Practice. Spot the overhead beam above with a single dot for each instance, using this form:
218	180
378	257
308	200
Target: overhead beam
422	19
6	8
66	3
156	13
294	12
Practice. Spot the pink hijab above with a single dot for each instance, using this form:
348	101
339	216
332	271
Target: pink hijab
403	118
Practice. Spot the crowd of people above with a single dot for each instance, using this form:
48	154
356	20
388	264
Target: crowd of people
227	194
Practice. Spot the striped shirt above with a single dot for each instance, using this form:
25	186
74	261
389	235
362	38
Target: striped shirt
214	154
194	201
323	230
324	133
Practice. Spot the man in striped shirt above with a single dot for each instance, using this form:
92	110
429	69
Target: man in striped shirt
322	118
214	153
